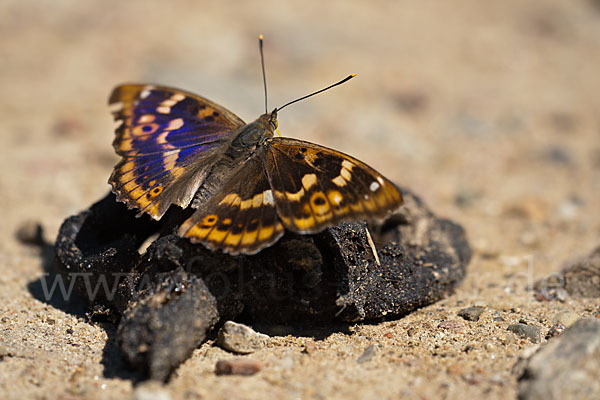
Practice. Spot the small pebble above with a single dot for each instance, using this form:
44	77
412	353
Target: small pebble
151	390
237	367
451	325
368	354
566	318
561	294
530	332
455	369
310	348
555	330
471	313
4	352
240	338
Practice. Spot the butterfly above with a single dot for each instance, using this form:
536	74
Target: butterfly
247	185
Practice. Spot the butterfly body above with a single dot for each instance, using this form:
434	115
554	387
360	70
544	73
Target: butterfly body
246	185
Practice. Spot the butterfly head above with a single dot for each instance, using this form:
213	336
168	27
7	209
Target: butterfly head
266	125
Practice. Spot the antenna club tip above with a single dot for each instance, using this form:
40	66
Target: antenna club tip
260	37
352	75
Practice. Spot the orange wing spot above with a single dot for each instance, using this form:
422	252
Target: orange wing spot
335	197
217	235
295	196
209	220
152	183
128	166
205	112
306	209
170	159
286	220
226	221
357	207
162	139
230	199
152	209
197	232
134	193
319	203
156	191
177	172
257	200
309	180
266	232
125	145
279	195
245	204
304	224
369	203
249	237
144	131
232	239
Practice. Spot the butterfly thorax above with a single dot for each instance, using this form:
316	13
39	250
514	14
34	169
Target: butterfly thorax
253	135
247	141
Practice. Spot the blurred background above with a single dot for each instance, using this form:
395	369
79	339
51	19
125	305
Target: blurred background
488	111
467	105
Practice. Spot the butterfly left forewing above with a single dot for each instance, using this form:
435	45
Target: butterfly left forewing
168	140
240	218
315	187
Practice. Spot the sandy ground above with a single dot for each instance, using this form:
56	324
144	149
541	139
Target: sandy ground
490	113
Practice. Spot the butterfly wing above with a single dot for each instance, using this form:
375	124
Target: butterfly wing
241	217
168	139
315	187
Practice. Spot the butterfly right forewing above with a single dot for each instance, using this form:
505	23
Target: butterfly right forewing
316	187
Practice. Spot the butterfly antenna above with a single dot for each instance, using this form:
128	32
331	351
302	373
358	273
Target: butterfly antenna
346	79
262	64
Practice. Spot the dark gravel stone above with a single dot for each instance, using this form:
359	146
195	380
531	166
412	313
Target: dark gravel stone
580	280
237	367
530	332
155	334
566	367
471	313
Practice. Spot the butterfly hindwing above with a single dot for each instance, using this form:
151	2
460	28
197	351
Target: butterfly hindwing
240	218
168	139
315	187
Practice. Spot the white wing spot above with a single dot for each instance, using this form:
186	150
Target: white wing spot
146	92
174	124
348	165
115	107
339	181
374	186
380	180
268	197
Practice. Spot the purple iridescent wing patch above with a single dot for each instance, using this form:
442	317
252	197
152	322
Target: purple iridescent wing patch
166	137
